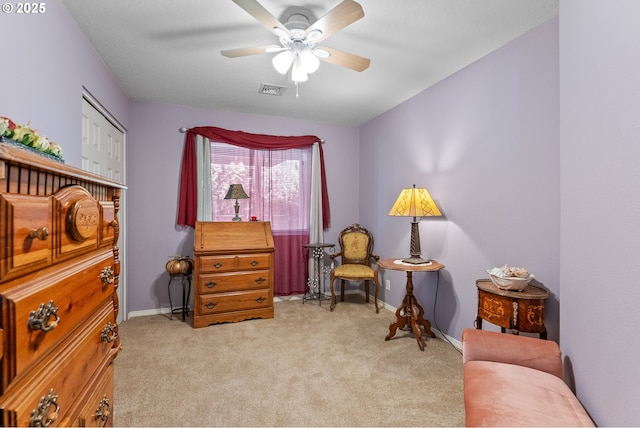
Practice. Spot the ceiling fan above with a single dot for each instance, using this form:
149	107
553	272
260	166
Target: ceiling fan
298	38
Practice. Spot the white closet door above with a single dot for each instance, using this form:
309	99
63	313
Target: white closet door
103	153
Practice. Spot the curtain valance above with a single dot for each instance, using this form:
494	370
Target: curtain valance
187	204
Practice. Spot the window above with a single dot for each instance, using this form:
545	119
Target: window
278	183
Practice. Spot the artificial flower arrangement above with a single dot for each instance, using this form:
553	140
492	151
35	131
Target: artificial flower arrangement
24	135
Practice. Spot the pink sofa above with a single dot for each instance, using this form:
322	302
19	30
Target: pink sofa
514	380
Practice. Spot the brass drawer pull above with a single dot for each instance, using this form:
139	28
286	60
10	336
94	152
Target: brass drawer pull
107	275
104	409
254	263
44	415
108	333
260	299
217	265
211	305
260	280
40	318
41	233
211	284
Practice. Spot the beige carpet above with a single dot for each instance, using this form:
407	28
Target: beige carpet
305	367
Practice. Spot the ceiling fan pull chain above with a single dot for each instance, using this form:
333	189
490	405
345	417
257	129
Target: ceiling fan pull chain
296	89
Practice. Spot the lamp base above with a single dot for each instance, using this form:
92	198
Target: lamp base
415	260
236	219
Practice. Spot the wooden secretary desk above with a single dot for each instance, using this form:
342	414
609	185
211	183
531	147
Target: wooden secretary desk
233	272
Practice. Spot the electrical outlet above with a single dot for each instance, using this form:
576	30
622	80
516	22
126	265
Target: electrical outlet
387	284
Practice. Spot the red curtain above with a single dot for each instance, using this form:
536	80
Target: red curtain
187	204
290	265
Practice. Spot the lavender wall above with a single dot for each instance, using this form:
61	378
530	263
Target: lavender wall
600	152
46	63
154	154
485	143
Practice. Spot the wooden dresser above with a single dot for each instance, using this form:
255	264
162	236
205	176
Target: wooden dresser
59	272
233	272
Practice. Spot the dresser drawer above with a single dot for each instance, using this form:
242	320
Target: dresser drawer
98	410
56	382
229	302
25	234
77	217
230	263
75	291
236	281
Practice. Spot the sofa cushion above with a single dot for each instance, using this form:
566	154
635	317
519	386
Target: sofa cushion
500	394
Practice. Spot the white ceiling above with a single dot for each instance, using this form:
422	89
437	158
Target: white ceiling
168	51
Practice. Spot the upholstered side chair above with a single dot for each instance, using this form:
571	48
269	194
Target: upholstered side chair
356	257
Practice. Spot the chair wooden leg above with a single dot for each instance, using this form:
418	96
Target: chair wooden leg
376	294
366	291
342	283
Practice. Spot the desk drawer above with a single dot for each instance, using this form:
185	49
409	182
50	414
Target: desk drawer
230	263
229	302
233	281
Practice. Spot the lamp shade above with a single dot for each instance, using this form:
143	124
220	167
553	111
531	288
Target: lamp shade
236	192
415	203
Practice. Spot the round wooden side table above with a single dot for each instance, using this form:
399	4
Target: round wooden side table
410	314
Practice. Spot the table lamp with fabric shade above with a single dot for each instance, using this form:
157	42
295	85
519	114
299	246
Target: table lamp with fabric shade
415	203
236	192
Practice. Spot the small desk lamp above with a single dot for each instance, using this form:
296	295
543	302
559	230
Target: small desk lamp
415	203
236	192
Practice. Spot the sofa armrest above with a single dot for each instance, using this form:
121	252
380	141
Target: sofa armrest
480	345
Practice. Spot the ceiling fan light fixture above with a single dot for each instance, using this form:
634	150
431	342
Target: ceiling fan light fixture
298	73
283	61
309	61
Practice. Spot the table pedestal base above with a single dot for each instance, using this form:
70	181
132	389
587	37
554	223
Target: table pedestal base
410	315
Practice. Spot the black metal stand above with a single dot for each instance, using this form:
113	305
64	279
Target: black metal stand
184	309
314	290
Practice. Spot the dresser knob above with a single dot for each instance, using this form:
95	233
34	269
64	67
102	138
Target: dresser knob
260	299
47	412
107	275
104	409
254	263
260	280
211	284
41	233
210	305
40	319
217	265
108	333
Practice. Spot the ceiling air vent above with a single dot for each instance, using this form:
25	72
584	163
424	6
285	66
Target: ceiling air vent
269	89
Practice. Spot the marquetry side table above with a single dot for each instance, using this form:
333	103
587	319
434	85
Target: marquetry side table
410	314
519	311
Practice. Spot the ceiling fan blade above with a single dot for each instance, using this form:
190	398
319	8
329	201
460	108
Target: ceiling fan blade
263	16
234	53
344	14
344	59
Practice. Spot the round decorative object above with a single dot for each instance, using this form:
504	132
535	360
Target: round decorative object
82	219
179	265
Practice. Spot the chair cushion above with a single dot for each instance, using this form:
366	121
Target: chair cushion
355	246
354	271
